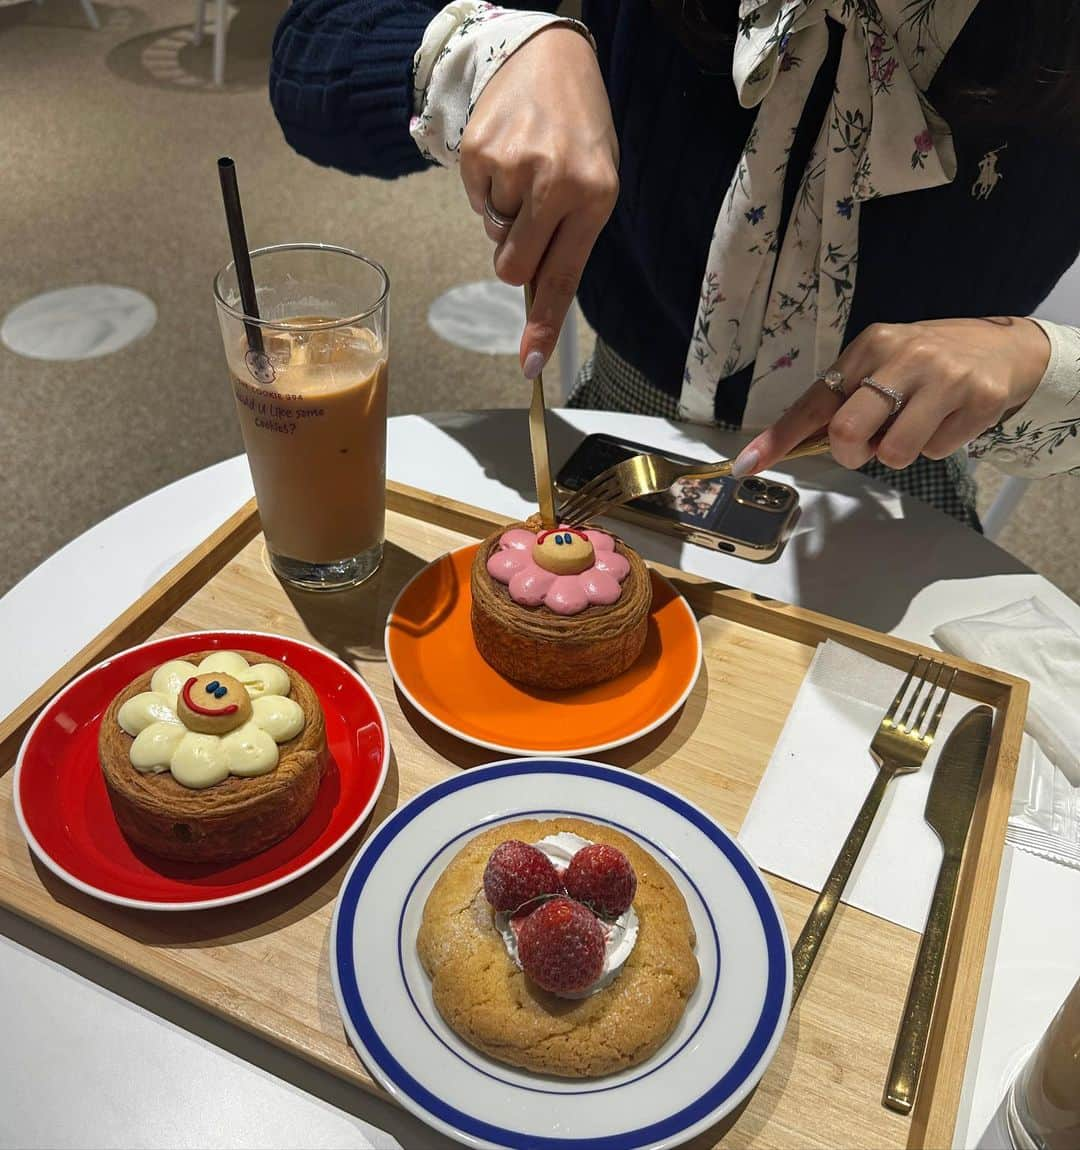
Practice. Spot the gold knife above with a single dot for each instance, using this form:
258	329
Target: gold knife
950	804
545	492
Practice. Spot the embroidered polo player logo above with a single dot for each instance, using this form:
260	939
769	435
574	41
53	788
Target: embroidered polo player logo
989	177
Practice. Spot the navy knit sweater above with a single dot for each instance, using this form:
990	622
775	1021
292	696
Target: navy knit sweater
341	86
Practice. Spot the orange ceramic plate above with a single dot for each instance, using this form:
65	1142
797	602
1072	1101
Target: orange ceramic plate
436	666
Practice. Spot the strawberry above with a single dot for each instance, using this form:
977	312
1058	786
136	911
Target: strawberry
516	873
601	877
561	946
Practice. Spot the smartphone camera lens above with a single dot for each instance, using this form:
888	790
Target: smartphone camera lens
776	496
755	486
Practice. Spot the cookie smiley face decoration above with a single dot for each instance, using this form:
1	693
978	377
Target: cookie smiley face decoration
566	551
213	704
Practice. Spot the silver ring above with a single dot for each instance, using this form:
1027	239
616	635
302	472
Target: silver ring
503	223
890	393
834	381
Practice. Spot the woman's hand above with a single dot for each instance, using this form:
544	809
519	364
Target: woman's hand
541	143
957	378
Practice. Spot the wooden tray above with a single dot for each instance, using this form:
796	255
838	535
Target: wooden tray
265	964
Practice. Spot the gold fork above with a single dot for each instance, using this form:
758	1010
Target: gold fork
899	747
651	474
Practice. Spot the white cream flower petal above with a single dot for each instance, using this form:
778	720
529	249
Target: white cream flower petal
145	708
199	761
266	679
228	662
170	677
250	750
154	746
282	718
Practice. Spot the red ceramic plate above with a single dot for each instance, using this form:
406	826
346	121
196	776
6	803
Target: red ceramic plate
63	807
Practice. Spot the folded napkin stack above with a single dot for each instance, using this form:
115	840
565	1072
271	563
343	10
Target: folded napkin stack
1027	639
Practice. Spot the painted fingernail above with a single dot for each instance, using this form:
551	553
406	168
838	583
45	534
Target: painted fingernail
746	462
534	364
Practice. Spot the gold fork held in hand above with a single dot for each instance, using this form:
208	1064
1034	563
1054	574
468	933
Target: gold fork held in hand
651	474
899	747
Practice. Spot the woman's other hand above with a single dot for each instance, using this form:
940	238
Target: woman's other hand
540	143
956	378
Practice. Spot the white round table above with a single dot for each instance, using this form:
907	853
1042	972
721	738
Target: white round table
95	1056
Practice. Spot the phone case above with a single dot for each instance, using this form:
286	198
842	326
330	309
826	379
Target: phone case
752	524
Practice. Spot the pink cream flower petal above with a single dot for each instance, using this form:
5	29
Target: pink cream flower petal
566	596
600	540
518	540
504	565
601	588
529	586
614	564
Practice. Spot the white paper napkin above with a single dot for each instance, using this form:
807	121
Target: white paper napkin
818	776
1027	639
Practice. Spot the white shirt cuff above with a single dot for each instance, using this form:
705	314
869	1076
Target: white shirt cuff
1043	437
463	47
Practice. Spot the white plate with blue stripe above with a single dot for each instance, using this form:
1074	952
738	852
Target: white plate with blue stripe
728	1034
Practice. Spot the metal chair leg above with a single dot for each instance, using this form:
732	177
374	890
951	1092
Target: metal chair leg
91	15
200	22
1008	498
221	26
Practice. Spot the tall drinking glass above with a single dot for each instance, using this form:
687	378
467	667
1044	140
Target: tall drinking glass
1044	1100
312	406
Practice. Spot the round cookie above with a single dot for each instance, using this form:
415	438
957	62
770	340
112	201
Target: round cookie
213	704
563	552
491	1004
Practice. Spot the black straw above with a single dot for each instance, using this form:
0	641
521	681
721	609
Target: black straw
234	216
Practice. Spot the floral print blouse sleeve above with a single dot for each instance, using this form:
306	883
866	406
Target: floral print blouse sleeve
463	47
1043	437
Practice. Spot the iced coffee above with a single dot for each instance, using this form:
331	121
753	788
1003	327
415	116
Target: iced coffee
1044	1103
311	401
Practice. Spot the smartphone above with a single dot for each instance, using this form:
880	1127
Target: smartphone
750	517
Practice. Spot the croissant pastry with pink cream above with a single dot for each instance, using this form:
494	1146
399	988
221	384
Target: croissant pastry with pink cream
559	609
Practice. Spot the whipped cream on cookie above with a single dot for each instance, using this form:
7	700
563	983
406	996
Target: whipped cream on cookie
620	935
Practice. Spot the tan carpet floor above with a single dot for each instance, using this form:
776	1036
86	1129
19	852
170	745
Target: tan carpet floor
108	142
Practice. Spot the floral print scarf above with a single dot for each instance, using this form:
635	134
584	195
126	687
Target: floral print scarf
785	308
